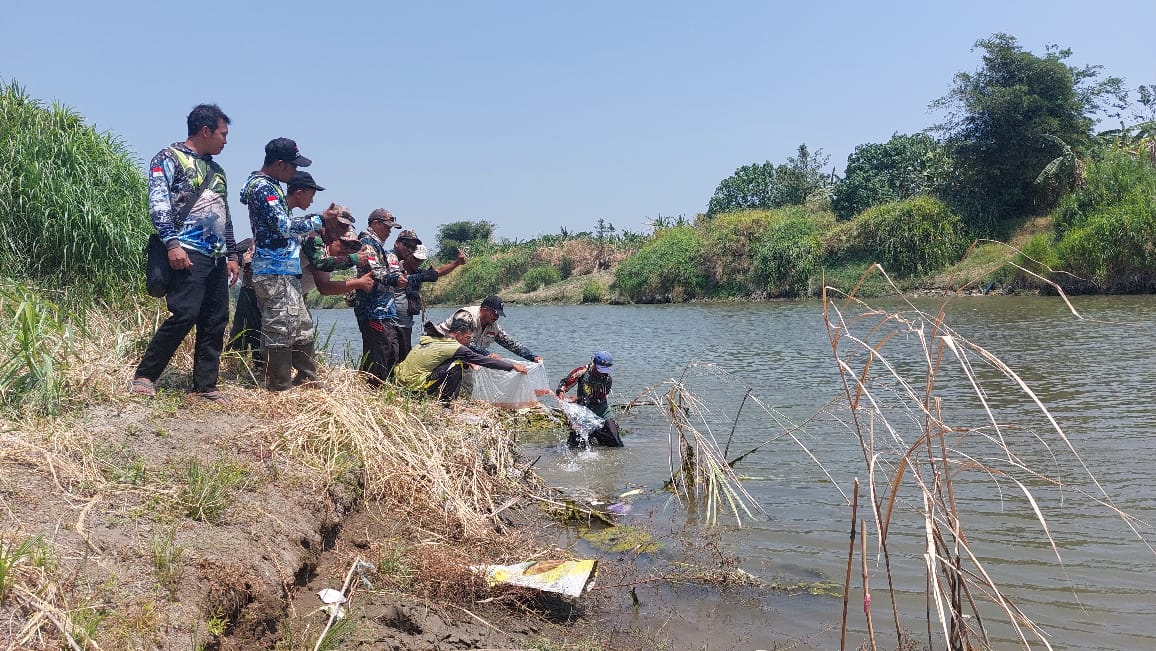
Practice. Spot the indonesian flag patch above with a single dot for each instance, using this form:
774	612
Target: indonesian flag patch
157	171
271	199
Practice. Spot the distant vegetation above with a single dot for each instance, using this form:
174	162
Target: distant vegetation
1017	145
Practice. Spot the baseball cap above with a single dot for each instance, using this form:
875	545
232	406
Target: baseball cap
603	362
455	325
495	304
285	149
344	216
302	179
383	215
409	235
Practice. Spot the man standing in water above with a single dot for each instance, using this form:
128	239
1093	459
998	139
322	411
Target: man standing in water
285	322
189	209
594	383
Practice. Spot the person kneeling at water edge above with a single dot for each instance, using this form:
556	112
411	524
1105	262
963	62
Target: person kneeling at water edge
438	362
594	383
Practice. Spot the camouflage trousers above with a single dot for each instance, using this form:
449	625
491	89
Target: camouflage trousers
285	321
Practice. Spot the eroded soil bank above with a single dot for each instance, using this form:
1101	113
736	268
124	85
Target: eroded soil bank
180	524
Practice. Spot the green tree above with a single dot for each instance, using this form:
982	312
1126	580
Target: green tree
453	235
879	173
767	186
998	118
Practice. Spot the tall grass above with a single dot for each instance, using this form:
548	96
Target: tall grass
57	357
73	204
1107	227
38	339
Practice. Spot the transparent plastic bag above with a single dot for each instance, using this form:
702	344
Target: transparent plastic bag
511	389
582	420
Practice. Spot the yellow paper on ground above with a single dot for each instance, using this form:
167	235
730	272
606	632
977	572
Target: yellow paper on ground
570	578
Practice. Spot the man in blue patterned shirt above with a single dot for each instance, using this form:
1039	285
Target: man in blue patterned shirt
285	322
199	241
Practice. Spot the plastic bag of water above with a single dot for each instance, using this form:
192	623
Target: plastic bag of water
510	389
582	420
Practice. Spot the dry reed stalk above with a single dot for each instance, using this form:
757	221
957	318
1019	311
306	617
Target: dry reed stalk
850	556
700	473
866	587
918	467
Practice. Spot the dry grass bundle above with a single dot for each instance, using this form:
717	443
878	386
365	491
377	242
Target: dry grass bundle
581	257
445	468
35	612
700	474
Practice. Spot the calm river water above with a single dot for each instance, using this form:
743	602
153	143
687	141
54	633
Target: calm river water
1094	375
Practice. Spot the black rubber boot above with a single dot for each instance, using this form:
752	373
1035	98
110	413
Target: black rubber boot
278	368
305	363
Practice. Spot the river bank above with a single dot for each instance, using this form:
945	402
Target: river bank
174	523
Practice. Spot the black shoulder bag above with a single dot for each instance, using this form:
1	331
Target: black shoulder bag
157	269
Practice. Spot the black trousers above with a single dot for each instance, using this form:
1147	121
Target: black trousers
445	381
378	348
198	297
245	335
606	435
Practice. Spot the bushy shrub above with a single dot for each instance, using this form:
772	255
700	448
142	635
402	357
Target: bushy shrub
73	203
482	276
731	238
668	268
1107	228
913	236
538	277
593	292
788	255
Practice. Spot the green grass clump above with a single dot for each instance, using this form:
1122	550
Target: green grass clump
205	494
671	267
73	204
37	338
540	276
788	256
1106	228
593	292
484	275
914	236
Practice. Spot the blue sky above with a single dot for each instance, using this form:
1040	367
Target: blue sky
534	115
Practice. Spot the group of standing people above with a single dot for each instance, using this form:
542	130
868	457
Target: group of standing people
289	255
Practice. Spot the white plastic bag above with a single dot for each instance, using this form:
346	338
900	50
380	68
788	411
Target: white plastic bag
582	420
511	389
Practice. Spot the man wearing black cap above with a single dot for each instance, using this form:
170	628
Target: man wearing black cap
484	317
285	322
437	365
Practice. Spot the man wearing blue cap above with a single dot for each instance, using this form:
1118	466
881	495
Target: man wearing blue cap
594	382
